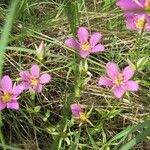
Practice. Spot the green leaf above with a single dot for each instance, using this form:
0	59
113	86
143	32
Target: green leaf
47	115
21	49
136	140
77	138
94	145
9	147
142	62
131	64
6	31
72	12
109	3
37	109
130	130
108	114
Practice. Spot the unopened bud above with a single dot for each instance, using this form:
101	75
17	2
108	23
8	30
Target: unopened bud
40	51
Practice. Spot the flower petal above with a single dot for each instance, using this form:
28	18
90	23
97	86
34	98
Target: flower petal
83	35
112	70
2	105
71	42
95	39
105	81
26	85
130	5
130	21
76	110
84	54
136	21
6	83
38	88
118	91
13	105
127	73
45	78
24	75
18	89
97	48
131	86
35	71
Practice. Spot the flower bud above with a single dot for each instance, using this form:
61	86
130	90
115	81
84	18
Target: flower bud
40	51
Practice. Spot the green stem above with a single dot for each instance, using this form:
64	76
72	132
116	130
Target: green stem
80	77
1	133
139	45
139	40
80	73
56	145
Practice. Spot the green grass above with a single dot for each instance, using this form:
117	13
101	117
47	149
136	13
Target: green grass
46	123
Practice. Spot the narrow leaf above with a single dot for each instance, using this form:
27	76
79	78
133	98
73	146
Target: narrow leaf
72	12
130	130
6	31
136	140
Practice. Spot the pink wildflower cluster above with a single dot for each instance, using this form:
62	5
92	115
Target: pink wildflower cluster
119	82
9	93
137	13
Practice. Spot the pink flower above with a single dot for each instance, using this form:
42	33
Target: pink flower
137	22
120	82
76	110
32	79
135	6
9	94
85	44
137	13
80	115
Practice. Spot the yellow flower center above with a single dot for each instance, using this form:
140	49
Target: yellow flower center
147	6
83	116
140	23
119	80
6	97
85	46
34	81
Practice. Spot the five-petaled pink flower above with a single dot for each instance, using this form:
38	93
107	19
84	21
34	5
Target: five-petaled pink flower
85	44
32	79
137	13
76	110
138	22
120	82
9	94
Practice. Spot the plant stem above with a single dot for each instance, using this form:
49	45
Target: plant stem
139	44
1	133
80	77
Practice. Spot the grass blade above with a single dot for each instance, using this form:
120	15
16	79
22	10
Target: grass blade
130	130
136	140
6	31
72	12
94	145
3	43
